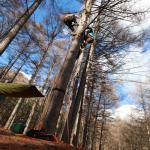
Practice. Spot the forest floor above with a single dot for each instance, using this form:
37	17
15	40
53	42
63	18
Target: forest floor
11	141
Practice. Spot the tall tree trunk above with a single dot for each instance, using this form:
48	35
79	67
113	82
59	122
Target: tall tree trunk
30	117
76	104
58	91
4	43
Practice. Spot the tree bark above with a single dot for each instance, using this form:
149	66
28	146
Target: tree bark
76	104
4	43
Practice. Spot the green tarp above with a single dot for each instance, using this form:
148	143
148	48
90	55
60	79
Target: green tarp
19	90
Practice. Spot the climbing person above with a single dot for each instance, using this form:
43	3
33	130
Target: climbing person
88	37
71	21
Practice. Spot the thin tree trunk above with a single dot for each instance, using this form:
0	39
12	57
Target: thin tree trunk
102	125
79	138
12	122
76	137
95	123
18	70
87	119
9	65
58	91
4	43
30	117
90	104
48	76
101	136
39	66
9	121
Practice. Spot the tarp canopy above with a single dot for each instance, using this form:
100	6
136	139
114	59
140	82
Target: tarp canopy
19	90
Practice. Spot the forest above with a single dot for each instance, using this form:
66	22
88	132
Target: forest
74	75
